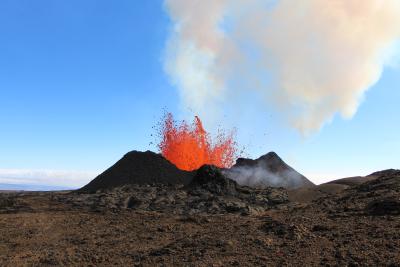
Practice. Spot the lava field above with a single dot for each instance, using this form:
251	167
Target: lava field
143	211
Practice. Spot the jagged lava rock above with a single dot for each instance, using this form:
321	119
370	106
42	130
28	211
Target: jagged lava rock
139	168
380	196
210	178
209	192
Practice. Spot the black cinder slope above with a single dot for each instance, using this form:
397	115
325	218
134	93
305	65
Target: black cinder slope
139	168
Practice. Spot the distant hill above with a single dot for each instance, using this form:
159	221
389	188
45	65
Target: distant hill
337	186
356	180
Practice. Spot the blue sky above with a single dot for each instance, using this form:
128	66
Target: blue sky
82	83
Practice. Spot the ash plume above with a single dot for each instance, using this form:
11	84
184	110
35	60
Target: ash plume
311	59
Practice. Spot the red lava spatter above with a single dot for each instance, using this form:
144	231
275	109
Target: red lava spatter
189	146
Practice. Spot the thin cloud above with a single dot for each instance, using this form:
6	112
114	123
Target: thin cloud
70	179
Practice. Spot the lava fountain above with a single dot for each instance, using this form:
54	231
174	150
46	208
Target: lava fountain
189	146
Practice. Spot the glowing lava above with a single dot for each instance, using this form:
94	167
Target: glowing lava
190	146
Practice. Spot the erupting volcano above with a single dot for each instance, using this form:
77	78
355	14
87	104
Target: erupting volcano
189	146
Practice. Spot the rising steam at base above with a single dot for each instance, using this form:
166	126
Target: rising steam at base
311	59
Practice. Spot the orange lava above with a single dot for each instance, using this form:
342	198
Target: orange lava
190	146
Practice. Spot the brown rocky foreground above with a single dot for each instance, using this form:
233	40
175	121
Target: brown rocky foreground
210	222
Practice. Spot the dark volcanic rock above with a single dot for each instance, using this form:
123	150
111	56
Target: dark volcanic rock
379	196
139	168
268	170
271	161
388	206
207	198
171	225
6	202
209	192
377	184
387	179
211	179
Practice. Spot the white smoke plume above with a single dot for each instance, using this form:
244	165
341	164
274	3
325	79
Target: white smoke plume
260	176
257	176
311	58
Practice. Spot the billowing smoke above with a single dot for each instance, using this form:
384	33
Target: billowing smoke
311	59
260	176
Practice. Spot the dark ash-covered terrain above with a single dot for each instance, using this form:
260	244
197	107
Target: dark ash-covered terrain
205	219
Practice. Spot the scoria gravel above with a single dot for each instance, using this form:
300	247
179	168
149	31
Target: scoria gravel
210	222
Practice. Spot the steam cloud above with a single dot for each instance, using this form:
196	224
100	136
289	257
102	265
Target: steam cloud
310	58
260	176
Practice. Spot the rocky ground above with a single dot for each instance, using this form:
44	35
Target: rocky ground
210	222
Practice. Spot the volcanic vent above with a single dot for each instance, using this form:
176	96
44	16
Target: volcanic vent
185	148
140	168
190	146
